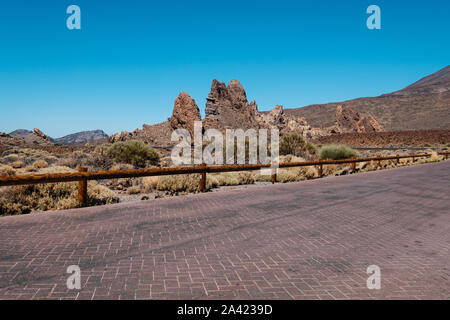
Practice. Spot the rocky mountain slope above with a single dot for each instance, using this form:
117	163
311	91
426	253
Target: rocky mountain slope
82	137
420	106
37	137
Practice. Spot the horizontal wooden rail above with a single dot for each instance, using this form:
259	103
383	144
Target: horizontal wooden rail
82	176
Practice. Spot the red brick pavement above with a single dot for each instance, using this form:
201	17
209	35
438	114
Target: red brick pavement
307	240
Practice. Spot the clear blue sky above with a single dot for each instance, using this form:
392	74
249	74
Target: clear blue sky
131	58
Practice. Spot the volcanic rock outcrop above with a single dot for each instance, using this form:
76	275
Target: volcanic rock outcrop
8	140
278	119
348	120
228	107
185	112
40	134
123	136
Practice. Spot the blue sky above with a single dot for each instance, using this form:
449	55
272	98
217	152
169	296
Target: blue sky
131	59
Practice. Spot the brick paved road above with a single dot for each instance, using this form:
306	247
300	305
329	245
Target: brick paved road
308	240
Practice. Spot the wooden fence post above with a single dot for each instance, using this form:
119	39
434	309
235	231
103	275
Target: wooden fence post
82	188
273	177
202	186
354	165
320	171
398	159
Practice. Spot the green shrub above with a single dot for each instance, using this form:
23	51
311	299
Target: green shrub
134	152
337	152
311	148
292	144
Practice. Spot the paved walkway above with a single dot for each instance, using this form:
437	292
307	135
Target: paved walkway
308	240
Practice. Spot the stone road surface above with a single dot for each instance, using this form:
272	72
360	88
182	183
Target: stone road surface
307	240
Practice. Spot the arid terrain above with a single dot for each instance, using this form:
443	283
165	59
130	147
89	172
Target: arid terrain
397	123
424	105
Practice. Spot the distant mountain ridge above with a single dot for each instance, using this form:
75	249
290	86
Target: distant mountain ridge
423	105
82	137
74	138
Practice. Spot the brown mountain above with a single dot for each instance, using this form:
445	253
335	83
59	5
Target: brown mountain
420	106
83	137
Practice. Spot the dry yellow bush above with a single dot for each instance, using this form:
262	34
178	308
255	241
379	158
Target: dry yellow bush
6	170
17	164
234	178
11	209
122	166
185	183
55	196
134	190
330	169
290	174
150	183
40	164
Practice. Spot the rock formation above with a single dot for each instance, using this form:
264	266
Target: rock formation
348	120
40	134
185	112
123	136
7	140
278	119
228	107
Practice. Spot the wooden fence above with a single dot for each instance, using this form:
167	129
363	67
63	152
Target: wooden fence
82	176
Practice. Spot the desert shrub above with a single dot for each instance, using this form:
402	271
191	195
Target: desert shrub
134	152
103	149
234	178
292	144
10	158
296	174
290	174
11	209
6	170
331	169
134	190
40	164
311	148
57	196
185	183
337	152
17	164
91	160
150	183
122	166
28	156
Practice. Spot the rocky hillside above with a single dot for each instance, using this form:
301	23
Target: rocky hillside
82	137
227	107
38	138
35	137
422	105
